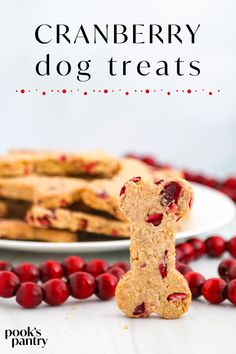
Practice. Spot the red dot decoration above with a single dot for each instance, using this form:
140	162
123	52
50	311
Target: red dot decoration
85	93
22	91
64	91
147	91
210	93
105	91
43	93
168	93
127	93
189	91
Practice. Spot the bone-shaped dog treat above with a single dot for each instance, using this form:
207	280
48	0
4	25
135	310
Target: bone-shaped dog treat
153	285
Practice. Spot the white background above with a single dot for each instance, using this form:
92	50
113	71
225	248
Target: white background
190	130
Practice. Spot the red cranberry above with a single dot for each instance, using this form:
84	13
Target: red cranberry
176	297
29	295
27	272
9	283
73	264
122	191
179	256
106	286
55	292
171	193
50	270
140	310
97	266
124	265
188	251
211	182
195	281
82	285
149	160
155	219
215	246
231	246
231	291
232	272
6	266
214	290
225	267
136	179
230	182
183	268
199	247
116	271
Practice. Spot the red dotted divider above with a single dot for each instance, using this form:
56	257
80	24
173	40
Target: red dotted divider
119	91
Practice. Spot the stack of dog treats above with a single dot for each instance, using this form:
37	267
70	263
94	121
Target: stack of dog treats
58	197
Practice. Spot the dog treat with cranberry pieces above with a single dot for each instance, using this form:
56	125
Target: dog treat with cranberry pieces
51	192
27	162
153	285
71	220
20	230
103	194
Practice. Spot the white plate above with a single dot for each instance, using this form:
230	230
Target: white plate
211	210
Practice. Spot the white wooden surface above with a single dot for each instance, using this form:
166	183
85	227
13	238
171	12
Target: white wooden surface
93	326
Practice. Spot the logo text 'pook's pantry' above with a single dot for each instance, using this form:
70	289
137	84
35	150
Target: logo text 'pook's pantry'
25	337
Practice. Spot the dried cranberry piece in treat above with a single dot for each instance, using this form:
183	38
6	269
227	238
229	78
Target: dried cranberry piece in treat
136	179
83	223
163	266
103	195
155	219
171	193
140	310
176	297
122	191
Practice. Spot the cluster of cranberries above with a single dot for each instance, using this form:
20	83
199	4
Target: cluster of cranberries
214	290
53	282
227	186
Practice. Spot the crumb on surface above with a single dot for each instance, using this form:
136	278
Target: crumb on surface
126	326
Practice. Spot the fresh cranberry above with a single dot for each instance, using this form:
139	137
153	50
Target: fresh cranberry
211	182
214	290
29	295
183	268
195	281
171	193
73	264
188	251
179	256
230	182
6	266
149	160
231	291
231	246
215	246
50	270
9	283
27	272
82	285
106	286
155	219
232	272
55	292
124	265
117	272
97	266
199	247
225	267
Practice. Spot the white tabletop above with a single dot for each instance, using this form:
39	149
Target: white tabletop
94	326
